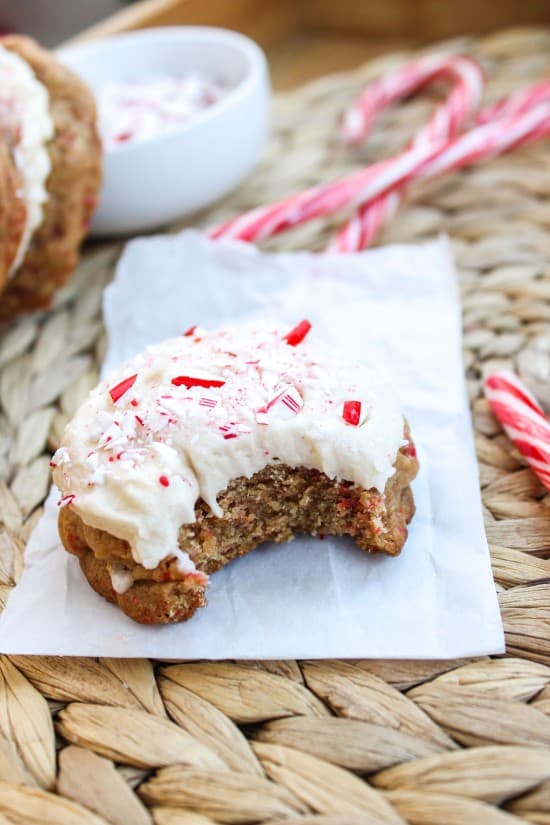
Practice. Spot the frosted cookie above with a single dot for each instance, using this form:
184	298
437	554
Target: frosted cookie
207	445
51	146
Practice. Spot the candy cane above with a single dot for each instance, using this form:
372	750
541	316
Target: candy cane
363	227
523	420
458	108
465	97
480	143
361	230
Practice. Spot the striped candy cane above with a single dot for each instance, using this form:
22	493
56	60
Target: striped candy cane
523	420
361	230
417	163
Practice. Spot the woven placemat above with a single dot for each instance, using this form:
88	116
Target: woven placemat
135	742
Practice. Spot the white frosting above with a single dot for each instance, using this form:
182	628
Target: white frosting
136	466
25	119
139	110
121	580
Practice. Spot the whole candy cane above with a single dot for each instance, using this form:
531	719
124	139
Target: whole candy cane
465	73
523	419
482	142
361	230
449	117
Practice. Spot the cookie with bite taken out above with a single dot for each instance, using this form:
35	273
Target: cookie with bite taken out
206	446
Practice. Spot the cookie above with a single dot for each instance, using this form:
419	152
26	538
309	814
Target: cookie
208	445
72	183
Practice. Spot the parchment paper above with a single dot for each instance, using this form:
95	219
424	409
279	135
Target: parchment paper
308	598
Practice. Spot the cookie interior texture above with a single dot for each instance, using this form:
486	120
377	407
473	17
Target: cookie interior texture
73	184
276	504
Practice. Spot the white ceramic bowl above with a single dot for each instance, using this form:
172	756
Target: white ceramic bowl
148	184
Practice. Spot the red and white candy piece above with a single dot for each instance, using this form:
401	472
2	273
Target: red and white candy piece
282	407
189	381
120	389
523	420
208	401
64	501
354	413
298	333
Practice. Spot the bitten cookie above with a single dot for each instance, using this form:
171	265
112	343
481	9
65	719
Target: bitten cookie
206	446
48	124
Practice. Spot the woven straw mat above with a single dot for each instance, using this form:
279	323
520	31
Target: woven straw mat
133	741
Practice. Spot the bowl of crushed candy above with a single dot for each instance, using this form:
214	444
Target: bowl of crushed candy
183	113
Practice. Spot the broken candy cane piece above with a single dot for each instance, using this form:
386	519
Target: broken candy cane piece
188	381
284	406
354	413
296	335
119	390
206	401
65	500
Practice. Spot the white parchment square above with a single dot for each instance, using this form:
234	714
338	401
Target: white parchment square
397	306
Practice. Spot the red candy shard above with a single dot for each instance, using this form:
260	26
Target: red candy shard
296	335
410	449
65	500
189	331
118	391
188	381
164	480
352	412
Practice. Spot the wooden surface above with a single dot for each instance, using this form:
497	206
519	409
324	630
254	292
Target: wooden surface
266	21
420	20
306	55
308	38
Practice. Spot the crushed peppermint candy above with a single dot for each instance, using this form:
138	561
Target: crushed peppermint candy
117	392
188	382
164	480
66	500
208	402
190	331
285	405
297	335
351	412
144	108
